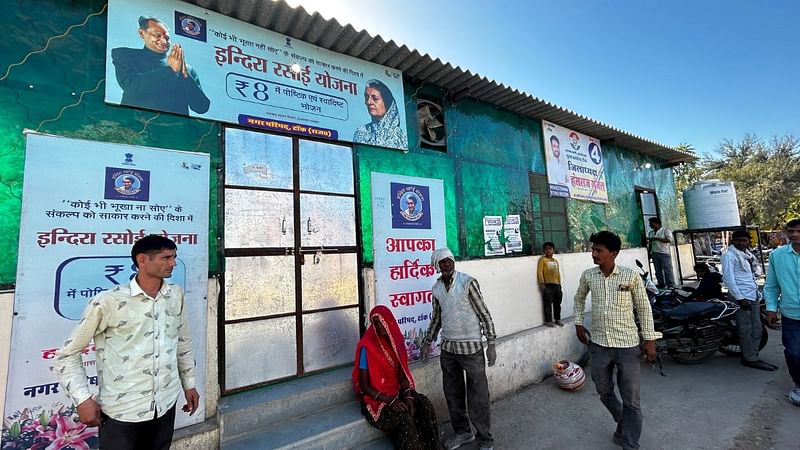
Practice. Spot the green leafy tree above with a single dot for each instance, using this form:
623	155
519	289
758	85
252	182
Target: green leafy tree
766	175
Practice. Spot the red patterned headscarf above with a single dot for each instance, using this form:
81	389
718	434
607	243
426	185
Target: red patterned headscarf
386	357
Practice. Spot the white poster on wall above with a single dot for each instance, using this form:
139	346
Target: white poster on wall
492	232
512	234
84	205
408	224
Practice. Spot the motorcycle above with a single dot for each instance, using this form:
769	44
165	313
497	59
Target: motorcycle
693	331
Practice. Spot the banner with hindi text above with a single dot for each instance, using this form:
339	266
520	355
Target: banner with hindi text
575	166
84	205
187	60
408	224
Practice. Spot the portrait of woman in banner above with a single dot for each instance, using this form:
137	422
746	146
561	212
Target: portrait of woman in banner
384	127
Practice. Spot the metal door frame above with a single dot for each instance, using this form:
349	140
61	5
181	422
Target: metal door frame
297	251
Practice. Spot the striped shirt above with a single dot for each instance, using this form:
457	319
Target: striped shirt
463	347
614	299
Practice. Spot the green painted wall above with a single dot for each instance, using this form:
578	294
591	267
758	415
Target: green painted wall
60	90
419	164
55	84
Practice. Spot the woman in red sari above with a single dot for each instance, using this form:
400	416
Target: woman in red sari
385	386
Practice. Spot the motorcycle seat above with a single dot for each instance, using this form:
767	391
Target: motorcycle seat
687	311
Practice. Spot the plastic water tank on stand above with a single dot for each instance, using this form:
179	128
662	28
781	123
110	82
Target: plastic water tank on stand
711	204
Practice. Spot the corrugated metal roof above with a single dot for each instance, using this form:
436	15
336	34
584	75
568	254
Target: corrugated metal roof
278	16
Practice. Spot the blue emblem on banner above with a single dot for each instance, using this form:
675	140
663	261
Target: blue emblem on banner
128	160
190	26
127	184
410	207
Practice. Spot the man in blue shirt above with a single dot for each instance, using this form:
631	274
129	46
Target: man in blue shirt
782	293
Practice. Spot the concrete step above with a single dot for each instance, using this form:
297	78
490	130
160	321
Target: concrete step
336	428
260	409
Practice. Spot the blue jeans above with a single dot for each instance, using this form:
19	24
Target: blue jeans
626	413
790	335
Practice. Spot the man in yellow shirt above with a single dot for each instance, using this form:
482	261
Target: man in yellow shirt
549	278
617	292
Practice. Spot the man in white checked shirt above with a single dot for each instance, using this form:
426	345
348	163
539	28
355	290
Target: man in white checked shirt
616	292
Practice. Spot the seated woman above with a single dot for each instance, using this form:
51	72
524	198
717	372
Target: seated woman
385	386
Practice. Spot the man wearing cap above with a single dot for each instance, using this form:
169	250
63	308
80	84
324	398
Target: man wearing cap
461	314
739	269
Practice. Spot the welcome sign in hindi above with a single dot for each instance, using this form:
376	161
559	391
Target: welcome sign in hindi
195	62
574	164
408	225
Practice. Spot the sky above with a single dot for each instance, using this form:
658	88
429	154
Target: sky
696	72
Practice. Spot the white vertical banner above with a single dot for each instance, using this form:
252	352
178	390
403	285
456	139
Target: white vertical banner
84	205
408	224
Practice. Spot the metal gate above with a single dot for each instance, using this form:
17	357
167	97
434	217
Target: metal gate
291	293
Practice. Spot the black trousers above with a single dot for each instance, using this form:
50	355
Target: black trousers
551	297
472	395
154	434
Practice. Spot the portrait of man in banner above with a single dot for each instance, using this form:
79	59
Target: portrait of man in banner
157	76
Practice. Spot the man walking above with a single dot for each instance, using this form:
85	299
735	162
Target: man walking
461	314
144	355
614	343
782	293
739	269
660	241
549	277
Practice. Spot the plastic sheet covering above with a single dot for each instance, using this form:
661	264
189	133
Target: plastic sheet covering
329	338
329	280
259	286
250	349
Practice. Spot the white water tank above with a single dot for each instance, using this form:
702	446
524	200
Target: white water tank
711	204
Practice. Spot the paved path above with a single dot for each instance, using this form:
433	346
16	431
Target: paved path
716	405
